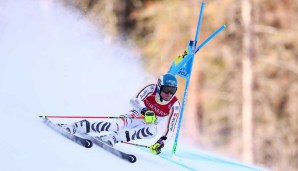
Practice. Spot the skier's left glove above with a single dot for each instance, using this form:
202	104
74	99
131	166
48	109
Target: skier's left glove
149	116
156	148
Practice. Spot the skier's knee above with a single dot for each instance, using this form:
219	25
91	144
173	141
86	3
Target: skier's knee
152	129
147	132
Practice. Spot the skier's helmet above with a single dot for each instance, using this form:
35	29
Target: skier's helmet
167	83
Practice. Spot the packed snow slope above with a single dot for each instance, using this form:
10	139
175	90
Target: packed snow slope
54	62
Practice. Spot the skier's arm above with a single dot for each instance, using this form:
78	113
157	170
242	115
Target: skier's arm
137	101
172	122
174	115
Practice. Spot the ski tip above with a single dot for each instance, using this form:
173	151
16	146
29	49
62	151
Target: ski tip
42	116
132	158
87	143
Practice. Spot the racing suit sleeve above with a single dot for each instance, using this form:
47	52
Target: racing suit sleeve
137	101
172	122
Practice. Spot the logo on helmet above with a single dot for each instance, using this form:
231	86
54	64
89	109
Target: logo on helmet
171	83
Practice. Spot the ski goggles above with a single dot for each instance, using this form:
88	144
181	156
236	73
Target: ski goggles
169	89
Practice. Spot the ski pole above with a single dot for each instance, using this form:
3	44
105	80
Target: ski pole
101	117
139	145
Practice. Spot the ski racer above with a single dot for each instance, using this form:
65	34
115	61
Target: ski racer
154	102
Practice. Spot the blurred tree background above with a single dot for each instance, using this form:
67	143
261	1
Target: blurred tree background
214	113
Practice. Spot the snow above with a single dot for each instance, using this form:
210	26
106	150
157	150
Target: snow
54	62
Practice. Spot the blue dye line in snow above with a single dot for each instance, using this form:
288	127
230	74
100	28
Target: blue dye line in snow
172	160
195	156
178	163
217	160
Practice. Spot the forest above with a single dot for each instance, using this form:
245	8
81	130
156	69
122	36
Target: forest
243	94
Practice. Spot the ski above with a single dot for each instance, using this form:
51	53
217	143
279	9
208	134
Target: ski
88	141
128	157
79	140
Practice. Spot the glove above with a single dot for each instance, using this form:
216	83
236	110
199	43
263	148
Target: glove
150	117
156	148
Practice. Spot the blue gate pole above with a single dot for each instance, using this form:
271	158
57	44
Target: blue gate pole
182	108
191	51
188	62
198	27
210	37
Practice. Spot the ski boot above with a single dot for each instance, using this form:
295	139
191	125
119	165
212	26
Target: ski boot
110	139
77	127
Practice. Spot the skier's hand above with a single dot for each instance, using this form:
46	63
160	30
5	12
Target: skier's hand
149	116
156	148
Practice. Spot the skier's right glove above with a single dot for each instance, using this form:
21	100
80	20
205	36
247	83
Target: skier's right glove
156	148
149	116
